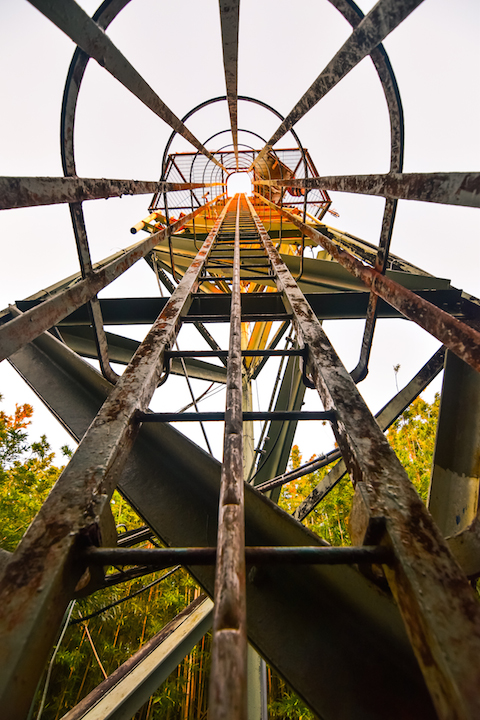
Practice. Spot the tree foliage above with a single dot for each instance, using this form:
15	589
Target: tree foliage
412	436
329	518
27	474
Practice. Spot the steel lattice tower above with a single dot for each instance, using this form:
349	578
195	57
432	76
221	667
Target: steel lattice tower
392	619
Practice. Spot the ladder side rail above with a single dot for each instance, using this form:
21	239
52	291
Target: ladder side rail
439	609
41	576
228	682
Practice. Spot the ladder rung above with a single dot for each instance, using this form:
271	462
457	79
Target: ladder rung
242	257
252	266
314	554
242	267
242	278
224	353
246	317
282	415
242	242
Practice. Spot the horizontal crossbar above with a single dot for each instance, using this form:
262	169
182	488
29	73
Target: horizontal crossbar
224	353
163	557
220	416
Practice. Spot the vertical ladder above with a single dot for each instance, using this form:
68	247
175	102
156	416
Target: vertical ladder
51	561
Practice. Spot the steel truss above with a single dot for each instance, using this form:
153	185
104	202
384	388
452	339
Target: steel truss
394	611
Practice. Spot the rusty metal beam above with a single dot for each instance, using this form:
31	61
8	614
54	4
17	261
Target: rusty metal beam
27	326
69	17
38	582
439	609
462	339
228	678
354	16
385	16
455	188
95	311
360	371
229	21
18	192
162	558
101	342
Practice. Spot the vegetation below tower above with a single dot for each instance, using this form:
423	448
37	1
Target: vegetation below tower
93	647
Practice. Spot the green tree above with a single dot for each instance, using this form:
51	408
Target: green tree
27	474
412	436
329	518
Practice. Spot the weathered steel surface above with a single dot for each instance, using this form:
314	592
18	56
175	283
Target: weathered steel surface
229	19
201	328
455	188
384	418
74	22
454	486
17	192
360	371
439	609
161	558
41	576
385	16
101	341
275	415
462	339
131	684
24	328
350	630
379	57
104	15
228	679
94	309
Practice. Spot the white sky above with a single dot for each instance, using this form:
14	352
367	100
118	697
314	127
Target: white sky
283	46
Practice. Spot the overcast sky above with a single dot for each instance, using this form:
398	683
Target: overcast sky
283	46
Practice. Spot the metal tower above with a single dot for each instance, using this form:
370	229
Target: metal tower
392	620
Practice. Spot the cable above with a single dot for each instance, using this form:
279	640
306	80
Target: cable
204	397
77	621
52	659
200	397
